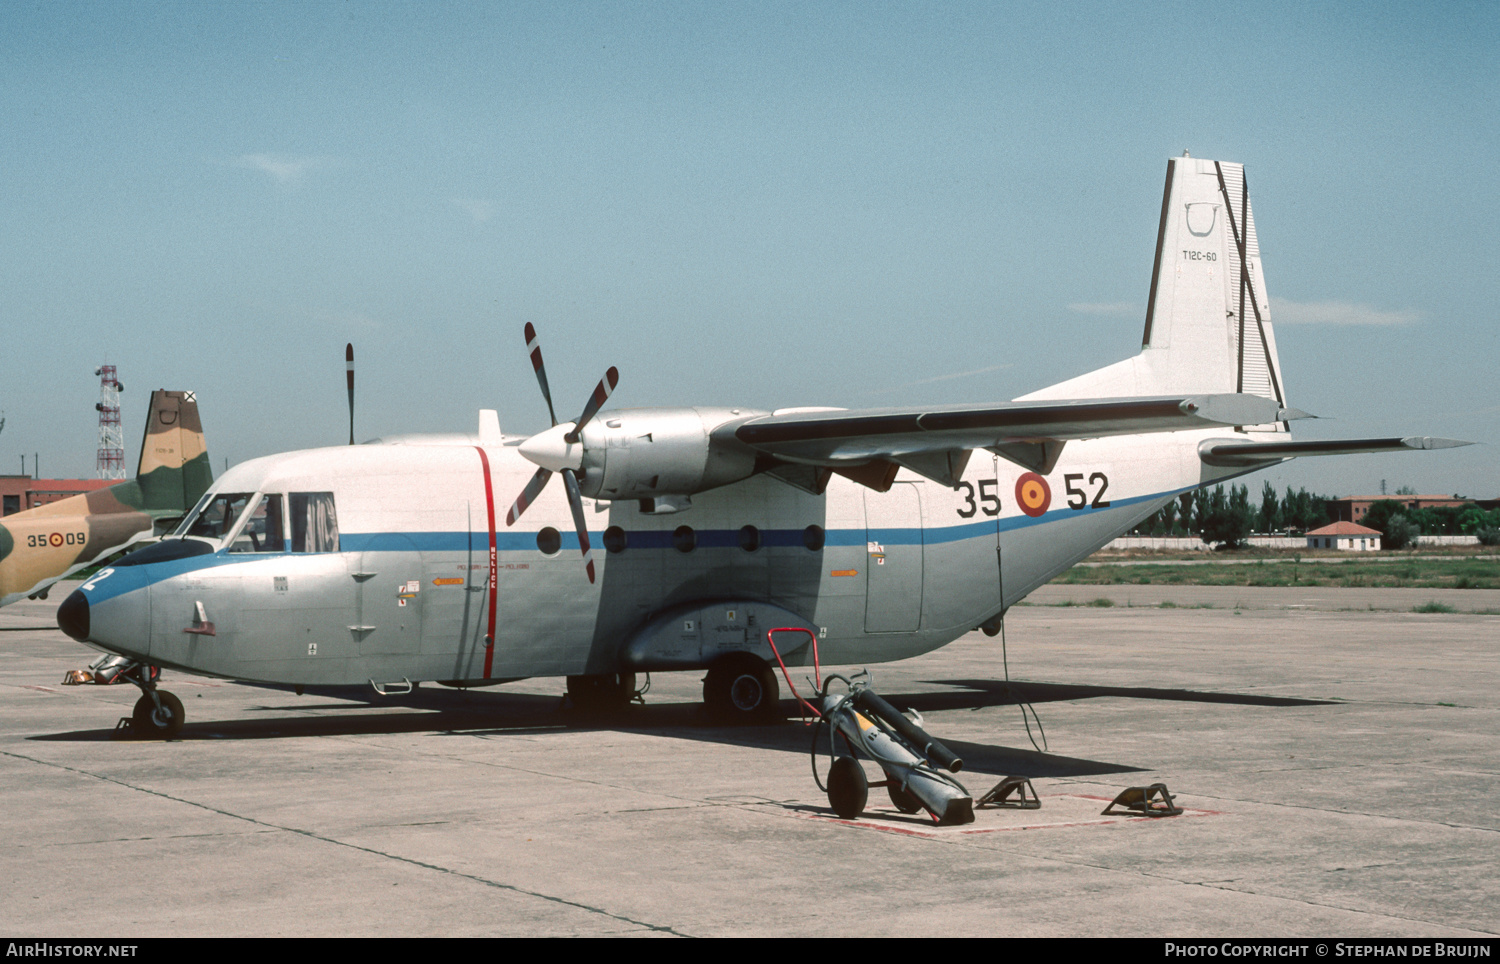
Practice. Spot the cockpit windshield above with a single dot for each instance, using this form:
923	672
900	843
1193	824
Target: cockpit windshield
215	516
263	530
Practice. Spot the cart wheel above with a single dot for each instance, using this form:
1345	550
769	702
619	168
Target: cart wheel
149	723
904	799
848	790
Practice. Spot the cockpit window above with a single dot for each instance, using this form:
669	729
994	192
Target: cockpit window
263	530
315	525
214	517
187	520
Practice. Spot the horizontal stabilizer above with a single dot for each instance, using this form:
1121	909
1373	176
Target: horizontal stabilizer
822	438
1223	452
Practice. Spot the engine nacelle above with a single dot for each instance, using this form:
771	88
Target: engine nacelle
642	453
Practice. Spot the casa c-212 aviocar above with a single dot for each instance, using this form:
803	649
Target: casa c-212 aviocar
885	532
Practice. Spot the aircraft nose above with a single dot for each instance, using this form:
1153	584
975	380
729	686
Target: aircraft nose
73	616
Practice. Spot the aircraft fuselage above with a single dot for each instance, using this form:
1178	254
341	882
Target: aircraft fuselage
408	592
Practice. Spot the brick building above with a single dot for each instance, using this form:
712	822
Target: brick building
1352	508
21	492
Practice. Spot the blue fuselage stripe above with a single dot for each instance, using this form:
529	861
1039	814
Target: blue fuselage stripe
125	579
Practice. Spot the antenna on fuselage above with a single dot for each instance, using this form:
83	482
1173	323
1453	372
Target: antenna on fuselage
349	364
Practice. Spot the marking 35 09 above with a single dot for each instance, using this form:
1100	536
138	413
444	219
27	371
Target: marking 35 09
44	540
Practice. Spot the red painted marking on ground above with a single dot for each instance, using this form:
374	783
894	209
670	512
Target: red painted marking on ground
883	826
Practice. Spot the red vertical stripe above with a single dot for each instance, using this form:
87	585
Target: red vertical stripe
489	508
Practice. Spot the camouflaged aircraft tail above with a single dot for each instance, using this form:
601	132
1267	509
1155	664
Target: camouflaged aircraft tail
42	545
174	471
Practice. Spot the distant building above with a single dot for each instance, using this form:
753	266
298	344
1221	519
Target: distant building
1352	508
1348	536
21	492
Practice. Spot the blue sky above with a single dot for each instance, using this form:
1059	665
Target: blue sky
755	204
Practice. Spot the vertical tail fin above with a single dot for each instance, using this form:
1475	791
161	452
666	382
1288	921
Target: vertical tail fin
1208	323
174	471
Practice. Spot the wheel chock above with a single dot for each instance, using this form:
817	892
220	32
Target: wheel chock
999	796
1152	801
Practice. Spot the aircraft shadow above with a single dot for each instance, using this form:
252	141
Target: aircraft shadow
985	692
500	713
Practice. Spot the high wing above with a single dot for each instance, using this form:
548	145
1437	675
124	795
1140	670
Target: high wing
936	442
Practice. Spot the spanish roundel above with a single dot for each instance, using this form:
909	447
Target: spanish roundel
1033	494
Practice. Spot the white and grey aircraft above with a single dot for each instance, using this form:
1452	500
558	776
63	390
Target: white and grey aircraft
886	532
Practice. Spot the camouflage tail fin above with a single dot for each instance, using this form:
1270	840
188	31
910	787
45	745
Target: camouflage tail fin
174	470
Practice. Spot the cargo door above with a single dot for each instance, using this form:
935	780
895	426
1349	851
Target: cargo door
893	560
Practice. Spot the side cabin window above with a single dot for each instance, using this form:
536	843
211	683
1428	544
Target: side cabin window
215	515
315	524
264	529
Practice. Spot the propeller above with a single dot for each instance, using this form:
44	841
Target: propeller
558	449
349	363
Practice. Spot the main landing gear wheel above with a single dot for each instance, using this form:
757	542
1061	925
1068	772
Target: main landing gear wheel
848	788
602	693
741	688
150	723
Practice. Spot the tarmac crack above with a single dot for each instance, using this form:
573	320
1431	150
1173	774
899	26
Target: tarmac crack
311	835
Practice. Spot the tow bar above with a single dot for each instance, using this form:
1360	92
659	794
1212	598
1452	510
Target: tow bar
918	769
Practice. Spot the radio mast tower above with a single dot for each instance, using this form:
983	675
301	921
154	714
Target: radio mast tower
111	461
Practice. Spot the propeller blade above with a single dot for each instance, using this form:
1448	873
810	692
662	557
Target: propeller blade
528	495
601	395
534	349
575	502
349	363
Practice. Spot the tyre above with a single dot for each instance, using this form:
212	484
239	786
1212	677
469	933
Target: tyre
848	790
741	688
904	800
149	723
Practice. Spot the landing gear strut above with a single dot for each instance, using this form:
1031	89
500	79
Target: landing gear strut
158	715
741	688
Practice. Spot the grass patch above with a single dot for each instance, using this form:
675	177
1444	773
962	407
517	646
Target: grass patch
1455	573
1432	607
1102	603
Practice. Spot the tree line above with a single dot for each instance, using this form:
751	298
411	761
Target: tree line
1229	517
1216	515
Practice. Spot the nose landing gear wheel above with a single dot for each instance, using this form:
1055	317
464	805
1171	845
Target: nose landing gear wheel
741	688
150	723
